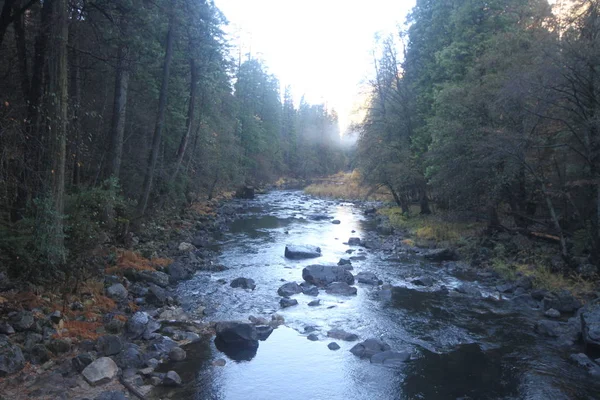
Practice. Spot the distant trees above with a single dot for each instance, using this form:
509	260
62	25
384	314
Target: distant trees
493	108
102	101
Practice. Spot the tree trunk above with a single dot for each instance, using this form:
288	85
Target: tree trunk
56	104
425	210
162	103
563	243
75	89
190	118
117	126
5	17
21	45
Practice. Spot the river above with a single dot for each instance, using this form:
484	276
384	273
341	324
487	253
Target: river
463	347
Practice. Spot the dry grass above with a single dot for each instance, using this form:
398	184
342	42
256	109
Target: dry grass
82	330
130	260
347	186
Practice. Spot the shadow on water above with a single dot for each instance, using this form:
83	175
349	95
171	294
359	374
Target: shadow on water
241	352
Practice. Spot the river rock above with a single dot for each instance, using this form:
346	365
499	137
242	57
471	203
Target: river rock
100	371
172	378
389	357
111	395
109	345
340	289
590	325
524	282
562	301
289	289
344	262
244	283
39	354
548	328
311	291
506	288
526	300
440	255
286	302
368	278
342	335
156	295
236	332
130	357
354	241
185	247
333	346
178	272
322	275
263	332
245	192
22	321
314	303
423	281
59	346
319	217
298	252
11	357
6	329
177	354
136	325
585	362
369	348
157	277
552	313
336	222
468	289
117	292
313	337
80	361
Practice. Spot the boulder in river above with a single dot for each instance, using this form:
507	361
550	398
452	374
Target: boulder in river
289	289
585	362
244	283
322	275
562	301
368	278
333	346
263	332
342	335
440	255
590	325
319	217
238	340
548	328
298	252
369	348
245	192
286	302
354	241
311	291
423	281
340	289
468	289
389	357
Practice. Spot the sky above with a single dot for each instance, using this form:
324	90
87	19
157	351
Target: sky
322	48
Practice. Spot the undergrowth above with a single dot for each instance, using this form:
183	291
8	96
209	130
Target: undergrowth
346	186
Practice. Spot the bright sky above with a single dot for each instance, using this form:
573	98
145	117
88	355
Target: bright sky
322	48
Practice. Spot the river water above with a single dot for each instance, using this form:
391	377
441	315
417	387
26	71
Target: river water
463	347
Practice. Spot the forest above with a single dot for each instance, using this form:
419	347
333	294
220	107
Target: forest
113	110
492	109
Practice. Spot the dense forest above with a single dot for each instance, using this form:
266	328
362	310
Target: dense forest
111	109
493	108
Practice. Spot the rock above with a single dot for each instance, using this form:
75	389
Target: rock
31	339
6	329
285	302
389	357
136	325
117	292
130	357
505	288
56	317
440	255
322	275
336	222
185	247
219	362
333	346
585	362
525	282
245	192
236	332
548	328
151	327
289	289
39	354
314	303
81	361
59	346
588	271
563	302
174	314
423	281
590	325
22	321
177	354
263	332
368	278
156	295
11	357
344	261
340	289
342	335
539	294
370	211
358	258
354	241
109	345
244	283
319	217
385	229
158	278
178	272
526	300
172	378
468	289
369	348
311	291
111	395
101	371
297	252
313	337
552	313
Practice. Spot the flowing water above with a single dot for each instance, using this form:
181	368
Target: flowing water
463	347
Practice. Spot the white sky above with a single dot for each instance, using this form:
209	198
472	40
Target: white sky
322	48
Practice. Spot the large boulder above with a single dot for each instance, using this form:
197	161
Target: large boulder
11	357
156	295
322	275
245	192
244	283
340	289
440	255
101	371
369	348
368	278
562	301
117	292
289	289
354	241
342	335
287	302
22	321
136	325
389	357
236	332
590	325
468	289
109	345
298	252
178	272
